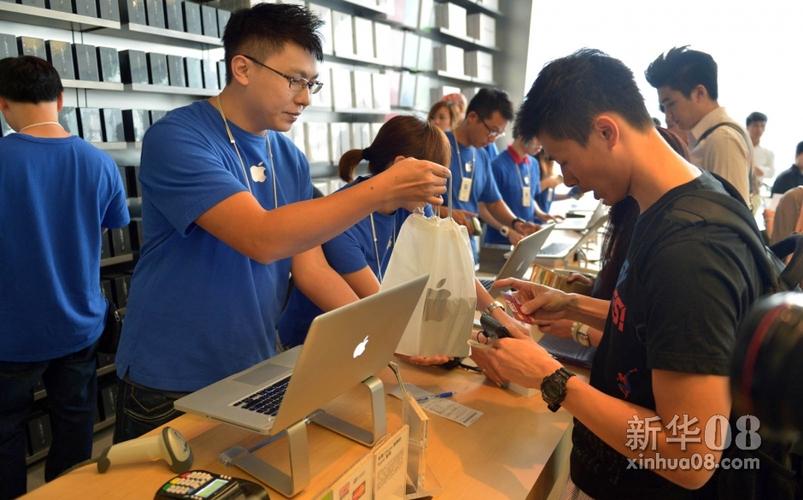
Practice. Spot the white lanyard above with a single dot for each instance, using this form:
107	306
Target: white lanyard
521	176
376	247
460	164
268	148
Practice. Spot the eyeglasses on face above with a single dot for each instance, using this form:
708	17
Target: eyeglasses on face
297	84
493	132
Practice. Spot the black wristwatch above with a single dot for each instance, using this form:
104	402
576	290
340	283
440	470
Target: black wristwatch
553	388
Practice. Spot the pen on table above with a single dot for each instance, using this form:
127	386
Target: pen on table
447	394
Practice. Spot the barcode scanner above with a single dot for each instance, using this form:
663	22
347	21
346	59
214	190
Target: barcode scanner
169	445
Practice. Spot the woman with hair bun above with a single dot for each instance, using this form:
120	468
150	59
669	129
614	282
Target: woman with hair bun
361	254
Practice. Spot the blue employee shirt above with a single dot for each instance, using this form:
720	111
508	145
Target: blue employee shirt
57	194
511	172
483	187
346	253
198	309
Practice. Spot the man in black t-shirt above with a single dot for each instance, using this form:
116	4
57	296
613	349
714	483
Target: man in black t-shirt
791	177
659	384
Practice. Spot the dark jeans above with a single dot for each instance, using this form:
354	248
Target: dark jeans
142	409
71	384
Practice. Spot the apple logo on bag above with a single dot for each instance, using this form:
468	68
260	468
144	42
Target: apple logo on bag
436	303
258	173
360	349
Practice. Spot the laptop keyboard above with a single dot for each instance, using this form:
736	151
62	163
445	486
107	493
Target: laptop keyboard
487	283
267	400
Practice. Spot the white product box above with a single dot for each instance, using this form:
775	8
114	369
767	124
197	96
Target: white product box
323	99
341	89
339	139
423	85
451	18
383	43
396	48
425	61
407	90
426	18
317	141
361	89
480	64
381	91
482	28
410	57
450	59
325	13
363	38
360	135
343	34
393	79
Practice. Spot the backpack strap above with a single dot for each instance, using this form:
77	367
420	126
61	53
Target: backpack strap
747	142
729	210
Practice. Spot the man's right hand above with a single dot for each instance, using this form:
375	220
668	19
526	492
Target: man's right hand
514	237
538	301
411	183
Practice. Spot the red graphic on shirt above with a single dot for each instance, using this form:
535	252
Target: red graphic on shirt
618	311
623	382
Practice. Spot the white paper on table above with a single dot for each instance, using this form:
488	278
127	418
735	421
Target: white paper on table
443	407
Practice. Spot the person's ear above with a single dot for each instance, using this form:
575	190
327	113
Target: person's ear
3	104
60	102
699	92
240	70
607	129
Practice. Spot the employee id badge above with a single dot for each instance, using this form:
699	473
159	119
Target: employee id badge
465	189
526	198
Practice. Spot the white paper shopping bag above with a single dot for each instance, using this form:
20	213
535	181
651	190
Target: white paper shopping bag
442	320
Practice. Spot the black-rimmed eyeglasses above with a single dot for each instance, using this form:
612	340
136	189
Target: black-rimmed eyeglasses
297	84
491	132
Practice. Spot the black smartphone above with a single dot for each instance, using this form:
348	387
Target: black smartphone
493	329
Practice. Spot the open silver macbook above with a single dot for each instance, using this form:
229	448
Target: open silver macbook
585	221
521	258
343	348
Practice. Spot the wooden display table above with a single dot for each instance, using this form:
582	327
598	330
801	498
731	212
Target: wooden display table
517	449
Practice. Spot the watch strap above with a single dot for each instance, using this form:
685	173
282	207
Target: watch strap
561	376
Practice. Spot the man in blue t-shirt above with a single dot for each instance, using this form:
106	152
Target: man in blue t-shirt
474	191
518	177
59	193
220	187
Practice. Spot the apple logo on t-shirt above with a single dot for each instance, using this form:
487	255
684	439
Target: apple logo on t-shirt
258	173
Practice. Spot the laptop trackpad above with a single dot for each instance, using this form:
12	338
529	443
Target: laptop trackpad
264	374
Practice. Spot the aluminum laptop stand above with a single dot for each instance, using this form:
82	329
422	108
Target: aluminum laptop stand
292	483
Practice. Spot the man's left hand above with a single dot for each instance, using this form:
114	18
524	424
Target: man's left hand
521	361
525	227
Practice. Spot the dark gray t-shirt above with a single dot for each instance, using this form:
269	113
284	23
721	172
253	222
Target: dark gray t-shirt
679	298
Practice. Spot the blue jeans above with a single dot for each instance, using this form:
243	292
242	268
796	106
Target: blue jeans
141	409
71	384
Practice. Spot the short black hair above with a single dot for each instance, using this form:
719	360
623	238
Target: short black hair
755	116
268	27
29	79
486	101
683	69
570	91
